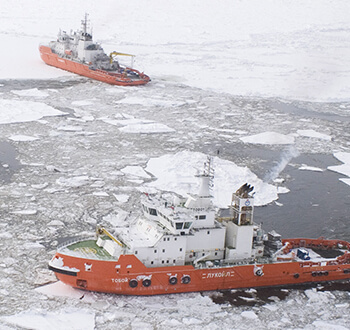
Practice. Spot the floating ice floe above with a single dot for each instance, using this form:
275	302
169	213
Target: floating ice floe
59	320
55	223
25	212
344	168
151	128
151	101
137	171
70	128
323	325
249	315
22	138
33	92
310	168
76	181
82	103
176	173
313	134
100	194
134	125
122	198
6	235
268	138
13	111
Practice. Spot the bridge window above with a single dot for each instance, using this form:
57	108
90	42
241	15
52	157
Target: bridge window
152	211
179	225
187	225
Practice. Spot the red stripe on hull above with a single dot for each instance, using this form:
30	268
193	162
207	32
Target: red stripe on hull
103	276
82	69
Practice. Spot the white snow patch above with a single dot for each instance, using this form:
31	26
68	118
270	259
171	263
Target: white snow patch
13	111
268	138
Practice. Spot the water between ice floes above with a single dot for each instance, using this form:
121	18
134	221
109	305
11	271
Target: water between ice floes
64	175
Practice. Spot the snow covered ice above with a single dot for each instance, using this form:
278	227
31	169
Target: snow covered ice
263	87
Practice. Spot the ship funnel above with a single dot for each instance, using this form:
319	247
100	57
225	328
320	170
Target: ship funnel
242	205
244	190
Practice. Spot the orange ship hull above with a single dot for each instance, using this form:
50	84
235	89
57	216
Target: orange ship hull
82	69
116	276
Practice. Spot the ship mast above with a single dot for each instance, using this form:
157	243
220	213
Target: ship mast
207	178
84	35
84	23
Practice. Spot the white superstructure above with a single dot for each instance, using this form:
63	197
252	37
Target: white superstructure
79	46
177	231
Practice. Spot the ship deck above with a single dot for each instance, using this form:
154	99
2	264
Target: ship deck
87	249
90	250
